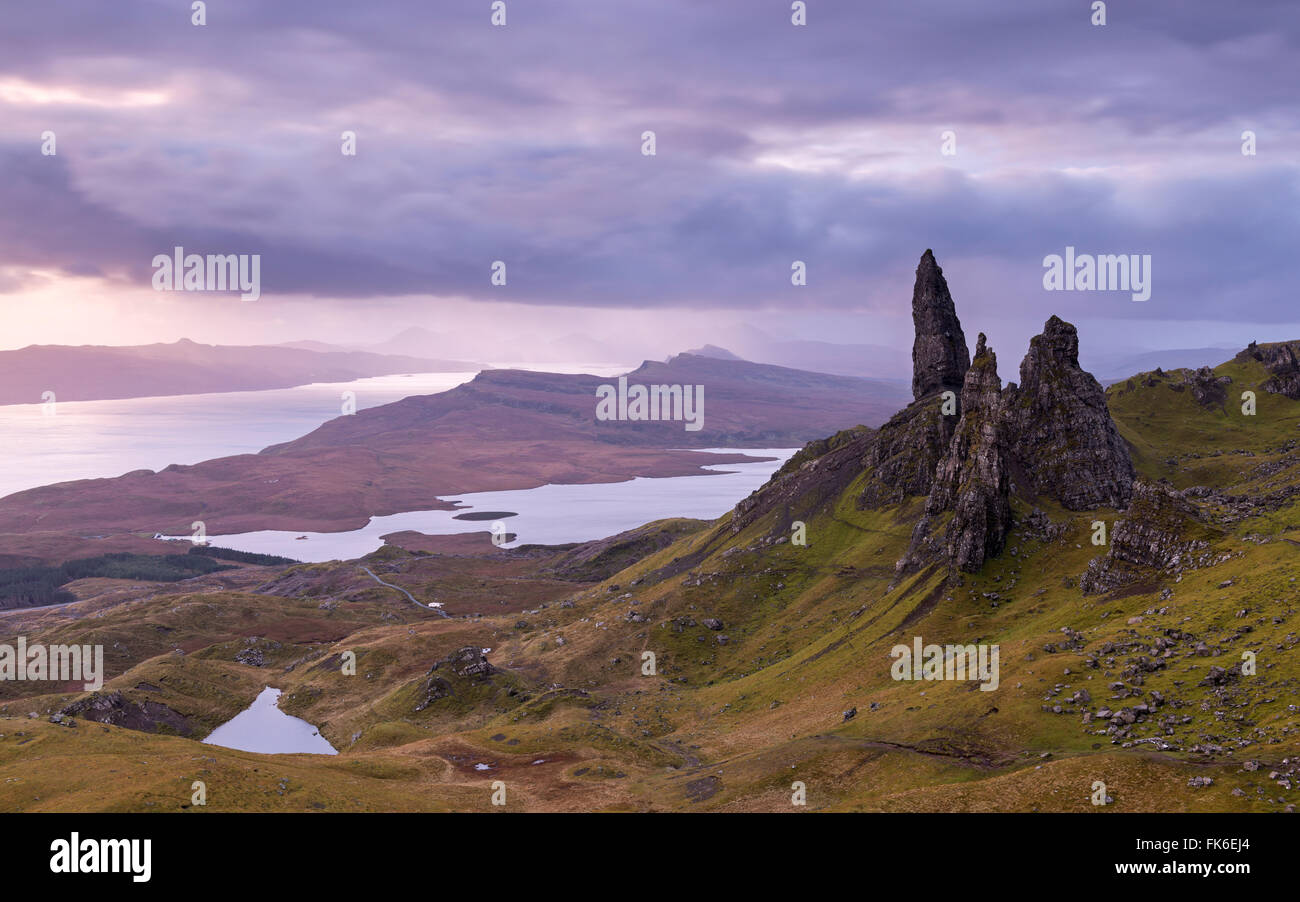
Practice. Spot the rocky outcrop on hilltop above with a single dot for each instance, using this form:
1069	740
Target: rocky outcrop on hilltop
1207	389
1065	444
972	480
939	355
467	664
1161	532
1282	360
901	456
1051	436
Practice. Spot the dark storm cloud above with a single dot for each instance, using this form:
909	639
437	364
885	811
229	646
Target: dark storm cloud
775	143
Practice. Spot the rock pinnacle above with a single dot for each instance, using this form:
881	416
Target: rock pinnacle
939	355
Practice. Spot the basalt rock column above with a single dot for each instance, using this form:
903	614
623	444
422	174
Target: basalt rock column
939	355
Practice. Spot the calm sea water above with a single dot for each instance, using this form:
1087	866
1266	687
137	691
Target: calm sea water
90	439
546	515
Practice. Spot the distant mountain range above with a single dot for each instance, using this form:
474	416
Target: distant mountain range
417	341
94	372
868	361
864	360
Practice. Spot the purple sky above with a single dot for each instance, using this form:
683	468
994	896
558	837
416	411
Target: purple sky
523	143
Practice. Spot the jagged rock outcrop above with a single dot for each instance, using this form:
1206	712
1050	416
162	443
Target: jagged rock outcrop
939	355
1061	436
1207	389
468	663
904	453
971	481
1282	360
1052	436
1161	532
114	708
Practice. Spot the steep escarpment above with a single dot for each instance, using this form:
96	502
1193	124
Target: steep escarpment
814	480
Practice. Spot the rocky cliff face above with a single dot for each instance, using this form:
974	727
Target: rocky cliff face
939	355
1059	429
904	453
972	479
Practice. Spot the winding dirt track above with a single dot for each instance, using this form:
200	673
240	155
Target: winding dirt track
427	607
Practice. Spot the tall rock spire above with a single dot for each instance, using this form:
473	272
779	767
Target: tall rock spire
972	480
939	355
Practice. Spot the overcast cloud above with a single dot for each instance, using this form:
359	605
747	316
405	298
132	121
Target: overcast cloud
775	143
